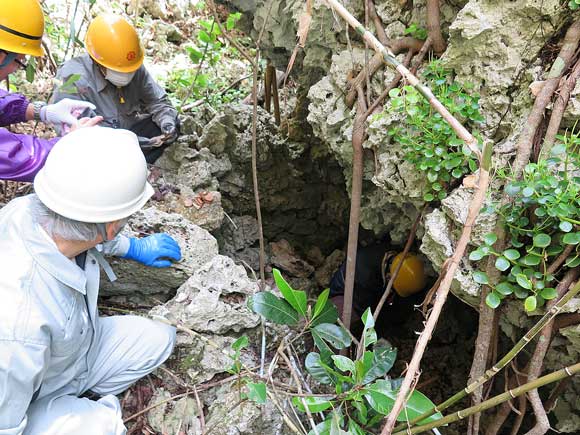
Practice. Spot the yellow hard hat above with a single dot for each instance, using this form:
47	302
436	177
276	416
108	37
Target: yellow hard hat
21	27
113	43
411	277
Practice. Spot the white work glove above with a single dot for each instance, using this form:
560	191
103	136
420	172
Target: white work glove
66	112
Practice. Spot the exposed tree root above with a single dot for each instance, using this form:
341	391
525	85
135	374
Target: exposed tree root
358	137
434	26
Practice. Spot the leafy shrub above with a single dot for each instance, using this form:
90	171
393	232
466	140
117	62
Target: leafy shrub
430	143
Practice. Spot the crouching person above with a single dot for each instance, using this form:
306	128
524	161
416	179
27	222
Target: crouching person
53	345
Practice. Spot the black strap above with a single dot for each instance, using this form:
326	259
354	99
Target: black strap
20	34
81	259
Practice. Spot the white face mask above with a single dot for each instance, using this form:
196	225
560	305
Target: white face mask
118	78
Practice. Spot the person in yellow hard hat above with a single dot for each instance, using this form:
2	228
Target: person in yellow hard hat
113	78
374	267
21	155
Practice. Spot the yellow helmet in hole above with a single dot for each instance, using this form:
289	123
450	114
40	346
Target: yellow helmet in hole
411	278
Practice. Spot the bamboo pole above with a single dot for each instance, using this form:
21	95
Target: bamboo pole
494	401
546	318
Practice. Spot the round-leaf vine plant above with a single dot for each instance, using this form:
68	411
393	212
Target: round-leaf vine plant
355	394
429	142
541	221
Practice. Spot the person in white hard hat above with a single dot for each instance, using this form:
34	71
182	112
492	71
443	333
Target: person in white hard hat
53	345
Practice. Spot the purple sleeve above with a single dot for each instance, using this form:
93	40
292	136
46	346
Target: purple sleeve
12	108
22	156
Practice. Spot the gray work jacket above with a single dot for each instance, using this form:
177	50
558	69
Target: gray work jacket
120	107
48	314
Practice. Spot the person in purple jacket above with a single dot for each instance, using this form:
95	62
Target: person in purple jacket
21	155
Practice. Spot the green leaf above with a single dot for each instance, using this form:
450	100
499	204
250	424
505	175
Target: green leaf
257	392
531	260
490	238
476	255
335	335
549	293
329	314
343	363
542	240
565	226
502	263
504	288
314	404
382	361
68	87
354	428
381	398
320	304
240	343
204	37
493	300
571	238
480	277
511	254
368	319
316	368
558	149
523	281
528	191
573	261
296	298
530	303
273	308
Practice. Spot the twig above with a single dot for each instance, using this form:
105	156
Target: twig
200	408
155	405
544	380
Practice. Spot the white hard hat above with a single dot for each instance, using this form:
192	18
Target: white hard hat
95	175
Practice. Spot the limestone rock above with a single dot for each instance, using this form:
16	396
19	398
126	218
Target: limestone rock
284	257
331	264
174	417
135	280
213	300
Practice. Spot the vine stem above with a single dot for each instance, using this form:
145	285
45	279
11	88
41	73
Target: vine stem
494	401
547	317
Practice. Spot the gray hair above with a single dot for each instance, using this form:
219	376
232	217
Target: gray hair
59	226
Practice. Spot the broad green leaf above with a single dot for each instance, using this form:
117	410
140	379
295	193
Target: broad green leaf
240	343
381	398
354	428
296	298
273	308
502	263
314	404
476	255
368	319
343	363
336	425
493	300
320	303
257	392
504	288
573	261
335	335
549	293
382	362
530	303
511	254
542	240
523	281
565	226
316	368
325	350
531	260
490	238
322	428
571	238
69	86
480	277
369	337
329	314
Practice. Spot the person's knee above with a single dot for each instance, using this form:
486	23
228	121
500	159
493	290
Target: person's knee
161	339
72	415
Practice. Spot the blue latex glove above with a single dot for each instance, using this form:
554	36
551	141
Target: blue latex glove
154	250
